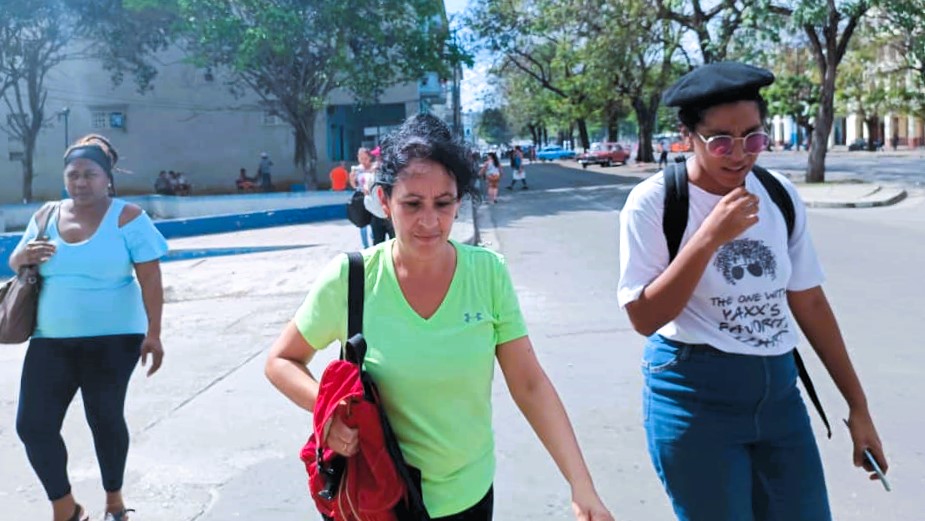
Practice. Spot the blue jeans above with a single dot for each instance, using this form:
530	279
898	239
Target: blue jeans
729	435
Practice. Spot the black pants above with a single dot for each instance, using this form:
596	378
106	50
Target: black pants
53	371
381	228
481	511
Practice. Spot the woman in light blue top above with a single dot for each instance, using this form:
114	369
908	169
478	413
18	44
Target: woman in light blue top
99	310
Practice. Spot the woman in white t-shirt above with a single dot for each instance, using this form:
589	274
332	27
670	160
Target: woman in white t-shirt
361	179
727	430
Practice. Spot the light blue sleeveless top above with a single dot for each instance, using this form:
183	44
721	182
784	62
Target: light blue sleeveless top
89	288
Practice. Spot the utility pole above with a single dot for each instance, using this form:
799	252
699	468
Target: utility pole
66	111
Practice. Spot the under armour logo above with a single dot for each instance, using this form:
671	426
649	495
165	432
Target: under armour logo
469	317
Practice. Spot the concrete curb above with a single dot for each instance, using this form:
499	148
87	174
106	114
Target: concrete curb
889	201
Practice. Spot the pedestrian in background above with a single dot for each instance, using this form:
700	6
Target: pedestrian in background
491	170
438	314
728	432
517	168
338	176
362	176
99	310
264	172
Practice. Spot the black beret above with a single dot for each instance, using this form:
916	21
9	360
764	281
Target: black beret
716	83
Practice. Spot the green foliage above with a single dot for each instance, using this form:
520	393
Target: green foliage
494	128
294	53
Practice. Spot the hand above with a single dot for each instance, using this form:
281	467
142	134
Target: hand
736	212
589	507
338	436
38	251
152	346
864	436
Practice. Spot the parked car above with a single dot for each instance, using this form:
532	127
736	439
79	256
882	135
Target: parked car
605	154
857	144
554	152
861	144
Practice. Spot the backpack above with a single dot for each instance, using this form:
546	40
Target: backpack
356	210
375	484
674	222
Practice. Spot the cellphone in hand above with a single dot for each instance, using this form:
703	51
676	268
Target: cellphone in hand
874	465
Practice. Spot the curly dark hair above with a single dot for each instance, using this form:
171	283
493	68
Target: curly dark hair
424	136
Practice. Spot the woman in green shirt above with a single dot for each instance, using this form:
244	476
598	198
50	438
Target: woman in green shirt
438	314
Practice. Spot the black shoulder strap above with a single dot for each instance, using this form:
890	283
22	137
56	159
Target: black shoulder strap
355	348
677	203
779	195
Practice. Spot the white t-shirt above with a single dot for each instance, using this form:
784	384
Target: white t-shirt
740	303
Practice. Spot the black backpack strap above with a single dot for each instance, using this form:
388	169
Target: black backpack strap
355	348
784	203
811	390
779	195
677	203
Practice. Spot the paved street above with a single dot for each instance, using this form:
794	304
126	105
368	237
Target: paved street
905	168
212	441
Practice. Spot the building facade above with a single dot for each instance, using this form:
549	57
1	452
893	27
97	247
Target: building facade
192	123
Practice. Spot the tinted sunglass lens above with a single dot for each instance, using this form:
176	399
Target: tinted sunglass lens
720	146
755	269
756	143
738	272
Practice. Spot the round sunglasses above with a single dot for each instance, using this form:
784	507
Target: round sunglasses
723	145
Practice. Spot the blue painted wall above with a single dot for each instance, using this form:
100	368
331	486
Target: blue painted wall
173	228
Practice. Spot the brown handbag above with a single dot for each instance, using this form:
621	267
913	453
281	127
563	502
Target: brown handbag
19	296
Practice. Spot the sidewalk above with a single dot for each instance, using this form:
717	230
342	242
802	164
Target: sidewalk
840	192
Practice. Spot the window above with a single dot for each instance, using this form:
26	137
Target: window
99	120
116	120
109	117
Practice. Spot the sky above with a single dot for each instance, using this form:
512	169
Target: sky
473	79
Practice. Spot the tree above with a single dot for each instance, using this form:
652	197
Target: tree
294	53
33	39
494	127
829	27
638	61
794	93
713	25
540	40
38	35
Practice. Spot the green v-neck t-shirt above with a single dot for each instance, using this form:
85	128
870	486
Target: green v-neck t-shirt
434	374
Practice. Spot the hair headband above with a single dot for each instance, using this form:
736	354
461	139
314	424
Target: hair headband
93	153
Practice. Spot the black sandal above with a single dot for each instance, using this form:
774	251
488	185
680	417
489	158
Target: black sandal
77	511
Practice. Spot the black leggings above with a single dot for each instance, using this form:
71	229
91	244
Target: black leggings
52	372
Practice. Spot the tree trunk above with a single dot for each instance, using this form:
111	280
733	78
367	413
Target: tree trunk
613	126
306	155
646	116
815	170
583	134
873	132
27	173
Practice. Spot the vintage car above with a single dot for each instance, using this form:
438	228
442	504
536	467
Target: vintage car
605	154
554	152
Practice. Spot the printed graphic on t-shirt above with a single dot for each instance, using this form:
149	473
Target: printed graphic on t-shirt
757	319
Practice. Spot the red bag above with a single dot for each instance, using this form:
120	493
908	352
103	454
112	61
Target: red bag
369	486
375	484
